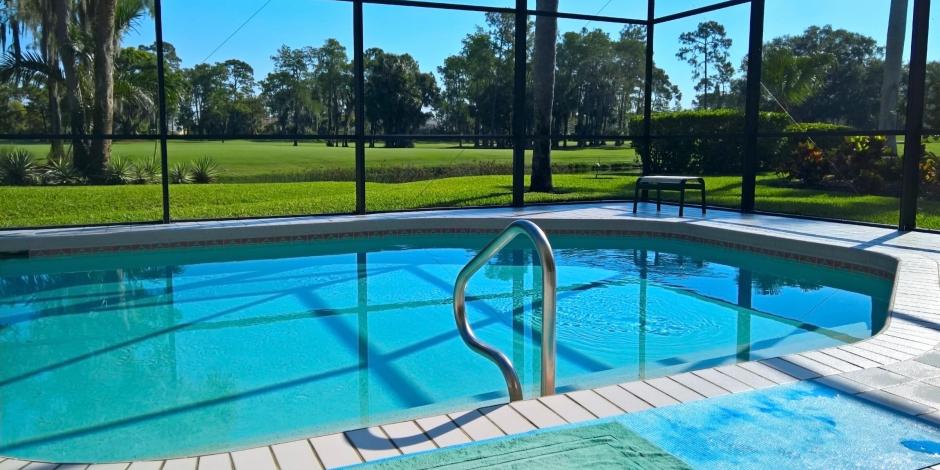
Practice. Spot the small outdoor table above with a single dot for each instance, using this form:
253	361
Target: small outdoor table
669	183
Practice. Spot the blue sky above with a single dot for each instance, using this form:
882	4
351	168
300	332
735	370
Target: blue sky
198	27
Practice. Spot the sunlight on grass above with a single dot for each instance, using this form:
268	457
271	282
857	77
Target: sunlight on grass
256	183
35	206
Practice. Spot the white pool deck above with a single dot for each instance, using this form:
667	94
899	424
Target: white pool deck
898	368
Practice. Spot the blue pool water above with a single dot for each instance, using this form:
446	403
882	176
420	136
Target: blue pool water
804	426
180	352
800	426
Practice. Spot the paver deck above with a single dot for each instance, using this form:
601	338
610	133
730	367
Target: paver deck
898	368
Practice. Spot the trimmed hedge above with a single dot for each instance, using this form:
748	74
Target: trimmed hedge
721	154
824	142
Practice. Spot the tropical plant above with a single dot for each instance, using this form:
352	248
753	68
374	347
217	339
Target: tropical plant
808	164
790	79
77	44
929	173
205	170
145	172
180	173
865	163
18	167
60	170
119	171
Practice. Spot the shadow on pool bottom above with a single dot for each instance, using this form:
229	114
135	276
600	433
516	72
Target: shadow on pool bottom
803	425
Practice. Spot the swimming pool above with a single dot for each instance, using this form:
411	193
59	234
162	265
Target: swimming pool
157	354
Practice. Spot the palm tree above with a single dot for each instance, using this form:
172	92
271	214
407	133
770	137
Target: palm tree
792	79
36	16
10	23
102	114
78	42
894	48
543	92
112	20
62	14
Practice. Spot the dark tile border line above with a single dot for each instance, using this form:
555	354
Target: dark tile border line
467	231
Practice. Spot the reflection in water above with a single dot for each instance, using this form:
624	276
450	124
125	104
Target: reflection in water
641	261
745	282
251	345
362	317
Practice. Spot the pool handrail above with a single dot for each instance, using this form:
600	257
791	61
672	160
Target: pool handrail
549	286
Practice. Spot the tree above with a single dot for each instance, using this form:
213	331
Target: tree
791	79
174	81
630	64
202	111
707	47
396	94
29	70
10	28
932	98
453	107
589	83
891	83
849	70
289	91
600	83
543	83
484	68
135	91
221	99
333	78
62	11
102	114
242	109
78	43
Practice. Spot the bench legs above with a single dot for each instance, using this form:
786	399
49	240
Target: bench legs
703	200
659	198
636	196
681	199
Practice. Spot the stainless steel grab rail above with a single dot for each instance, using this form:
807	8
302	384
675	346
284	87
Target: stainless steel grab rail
549	285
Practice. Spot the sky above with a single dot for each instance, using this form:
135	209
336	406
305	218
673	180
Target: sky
199	27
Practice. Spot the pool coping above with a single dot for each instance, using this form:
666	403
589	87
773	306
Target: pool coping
896	368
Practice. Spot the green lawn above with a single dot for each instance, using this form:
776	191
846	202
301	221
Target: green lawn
33	206
250	160
246	164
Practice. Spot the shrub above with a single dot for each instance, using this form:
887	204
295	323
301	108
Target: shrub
865	163
180	173
807	164
928	169
205	170
930	173
790	145
60	170
145	172
119	171
721	154
825	142
868	182
18	167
